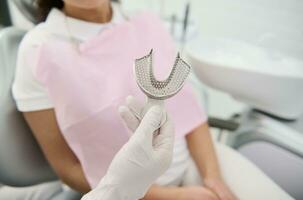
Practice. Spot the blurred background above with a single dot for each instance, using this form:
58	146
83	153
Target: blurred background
247	57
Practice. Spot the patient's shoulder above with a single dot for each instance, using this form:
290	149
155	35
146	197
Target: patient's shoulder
28	92
28	51
35	37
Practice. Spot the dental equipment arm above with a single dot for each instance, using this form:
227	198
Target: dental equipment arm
140	161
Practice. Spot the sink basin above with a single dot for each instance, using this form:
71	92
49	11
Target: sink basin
263	78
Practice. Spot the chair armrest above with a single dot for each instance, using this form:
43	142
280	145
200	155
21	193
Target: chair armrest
230	124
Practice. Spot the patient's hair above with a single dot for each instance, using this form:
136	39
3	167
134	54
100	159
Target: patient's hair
45	6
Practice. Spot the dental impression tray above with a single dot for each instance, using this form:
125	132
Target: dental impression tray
155	90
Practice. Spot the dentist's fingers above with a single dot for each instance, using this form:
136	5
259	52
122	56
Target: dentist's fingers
163	145
131	121
149	125
134	105
165	139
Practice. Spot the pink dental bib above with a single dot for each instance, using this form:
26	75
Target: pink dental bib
87	85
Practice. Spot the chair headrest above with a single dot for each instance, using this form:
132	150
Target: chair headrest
21	160
28	8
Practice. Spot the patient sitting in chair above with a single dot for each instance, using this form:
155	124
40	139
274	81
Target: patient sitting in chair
74	69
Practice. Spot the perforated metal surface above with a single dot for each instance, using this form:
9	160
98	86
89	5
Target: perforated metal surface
160	89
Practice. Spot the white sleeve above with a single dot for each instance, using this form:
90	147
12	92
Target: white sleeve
28	92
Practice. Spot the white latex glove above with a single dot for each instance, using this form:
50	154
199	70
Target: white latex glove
144	158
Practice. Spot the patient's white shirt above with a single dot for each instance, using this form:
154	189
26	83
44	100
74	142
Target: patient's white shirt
31	95
28	93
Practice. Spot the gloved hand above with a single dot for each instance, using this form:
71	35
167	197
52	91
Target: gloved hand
141	160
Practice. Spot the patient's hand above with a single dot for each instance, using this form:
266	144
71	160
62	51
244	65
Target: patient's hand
220	188
196	193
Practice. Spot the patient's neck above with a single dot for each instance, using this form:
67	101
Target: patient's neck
100	14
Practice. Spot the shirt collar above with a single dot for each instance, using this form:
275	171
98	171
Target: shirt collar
59	24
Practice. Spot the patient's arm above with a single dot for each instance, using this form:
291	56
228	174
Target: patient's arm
162	193
179	193
45	128
203	152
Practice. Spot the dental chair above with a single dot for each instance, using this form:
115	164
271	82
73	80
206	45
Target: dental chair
28	9
4	14
21	160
